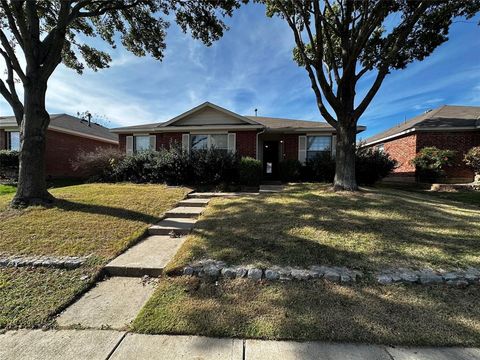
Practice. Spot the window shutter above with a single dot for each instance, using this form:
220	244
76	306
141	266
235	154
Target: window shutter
232	142
334	145
129	145
186	142
302	149
153	142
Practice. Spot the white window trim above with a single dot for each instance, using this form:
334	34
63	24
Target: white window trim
209	139
135	142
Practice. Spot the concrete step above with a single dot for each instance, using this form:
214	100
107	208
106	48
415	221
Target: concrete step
148	257
207	195
194	202
185	212
180	226
112	304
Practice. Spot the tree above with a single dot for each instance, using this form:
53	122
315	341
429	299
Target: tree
43	34
340	41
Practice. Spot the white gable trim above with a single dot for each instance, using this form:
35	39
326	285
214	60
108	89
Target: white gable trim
208	105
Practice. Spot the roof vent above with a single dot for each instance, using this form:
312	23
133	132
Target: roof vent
256	112
427	111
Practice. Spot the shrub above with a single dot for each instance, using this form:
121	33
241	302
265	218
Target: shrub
430	163
321	168
137	168
290	170
372	165
472	159
8	159
173	166
98	165
214	166
250	171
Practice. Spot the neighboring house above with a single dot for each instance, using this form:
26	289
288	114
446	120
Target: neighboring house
448	127
67	136
267	139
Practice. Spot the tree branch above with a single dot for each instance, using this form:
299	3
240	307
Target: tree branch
12	56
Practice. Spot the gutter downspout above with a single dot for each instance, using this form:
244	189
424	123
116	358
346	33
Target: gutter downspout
259	133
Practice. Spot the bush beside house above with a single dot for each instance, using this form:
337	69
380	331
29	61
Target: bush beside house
213	167
431	162
8	165
472	159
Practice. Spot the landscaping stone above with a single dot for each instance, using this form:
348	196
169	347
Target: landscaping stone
63	262
188	270
211	271
331	275
384	279
255	274
430	277
299	274
271	274
241	272
229	273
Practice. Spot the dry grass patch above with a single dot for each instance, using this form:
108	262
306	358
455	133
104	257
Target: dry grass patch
308	224
407	315
101	220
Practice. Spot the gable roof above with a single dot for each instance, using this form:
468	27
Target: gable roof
444	118
71	125
258	122
204	106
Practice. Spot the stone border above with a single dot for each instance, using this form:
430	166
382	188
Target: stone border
61	262
213	270
459	277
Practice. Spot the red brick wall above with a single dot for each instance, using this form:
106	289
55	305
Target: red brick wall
460	142
3	140
246	143
290	146
63	148
403	150
164	140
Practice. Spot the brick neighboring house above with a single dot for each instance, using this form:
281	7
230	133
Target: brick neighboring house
66	137
448	127
270	140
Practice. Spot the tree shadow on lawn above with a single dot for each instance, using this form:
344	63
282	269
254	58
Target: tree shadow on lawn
361	231
120	213
396	315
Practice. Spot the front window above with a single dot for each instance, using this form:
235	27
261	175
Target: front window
13	140
318	145
209	141
142	143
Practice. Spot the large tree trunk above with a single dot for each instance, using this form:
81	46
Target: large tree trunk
345	156
32	187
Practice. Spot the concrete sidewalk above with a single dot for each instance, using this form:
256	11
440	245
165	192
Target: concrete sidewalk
118	345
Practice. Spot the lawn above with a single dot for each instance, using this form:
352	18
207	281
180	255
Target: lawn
100	220
309	225
7	189
306	225
407	315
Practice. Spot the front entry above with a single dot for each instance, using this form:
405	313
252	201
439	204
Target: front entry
270	160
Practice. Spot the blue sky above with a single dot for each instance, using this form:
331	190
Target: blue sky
251	67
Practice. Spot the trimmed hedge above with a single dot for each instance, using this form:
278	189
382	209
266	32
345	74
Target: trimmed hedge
290	170
8	159
430	163
250	171
372	165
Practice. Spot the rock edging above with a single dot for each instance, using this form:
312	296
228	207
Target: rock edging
459	277
213	270
61	262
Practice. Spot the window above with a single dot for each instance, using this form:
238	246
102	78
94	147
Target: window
142	143
13	140
317	145
213	141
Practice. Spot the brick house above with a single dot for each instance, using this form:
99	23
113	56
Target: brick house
448	127
66	137
267	139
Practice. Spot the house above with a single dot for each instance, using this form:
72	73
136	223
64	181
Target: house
267	139
448	127
66	137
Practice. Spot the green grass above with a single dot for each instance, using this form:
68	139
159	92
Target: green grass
7	189
308	224
100	220
396	315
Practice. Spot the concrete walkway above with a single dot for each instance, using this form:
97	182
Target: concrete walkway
113	345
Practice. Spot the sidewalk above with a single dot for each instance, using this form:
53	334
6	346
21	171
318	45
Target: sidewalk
119	345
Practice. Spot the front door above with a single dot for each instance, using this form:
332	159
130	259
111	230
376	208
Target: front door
270	160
